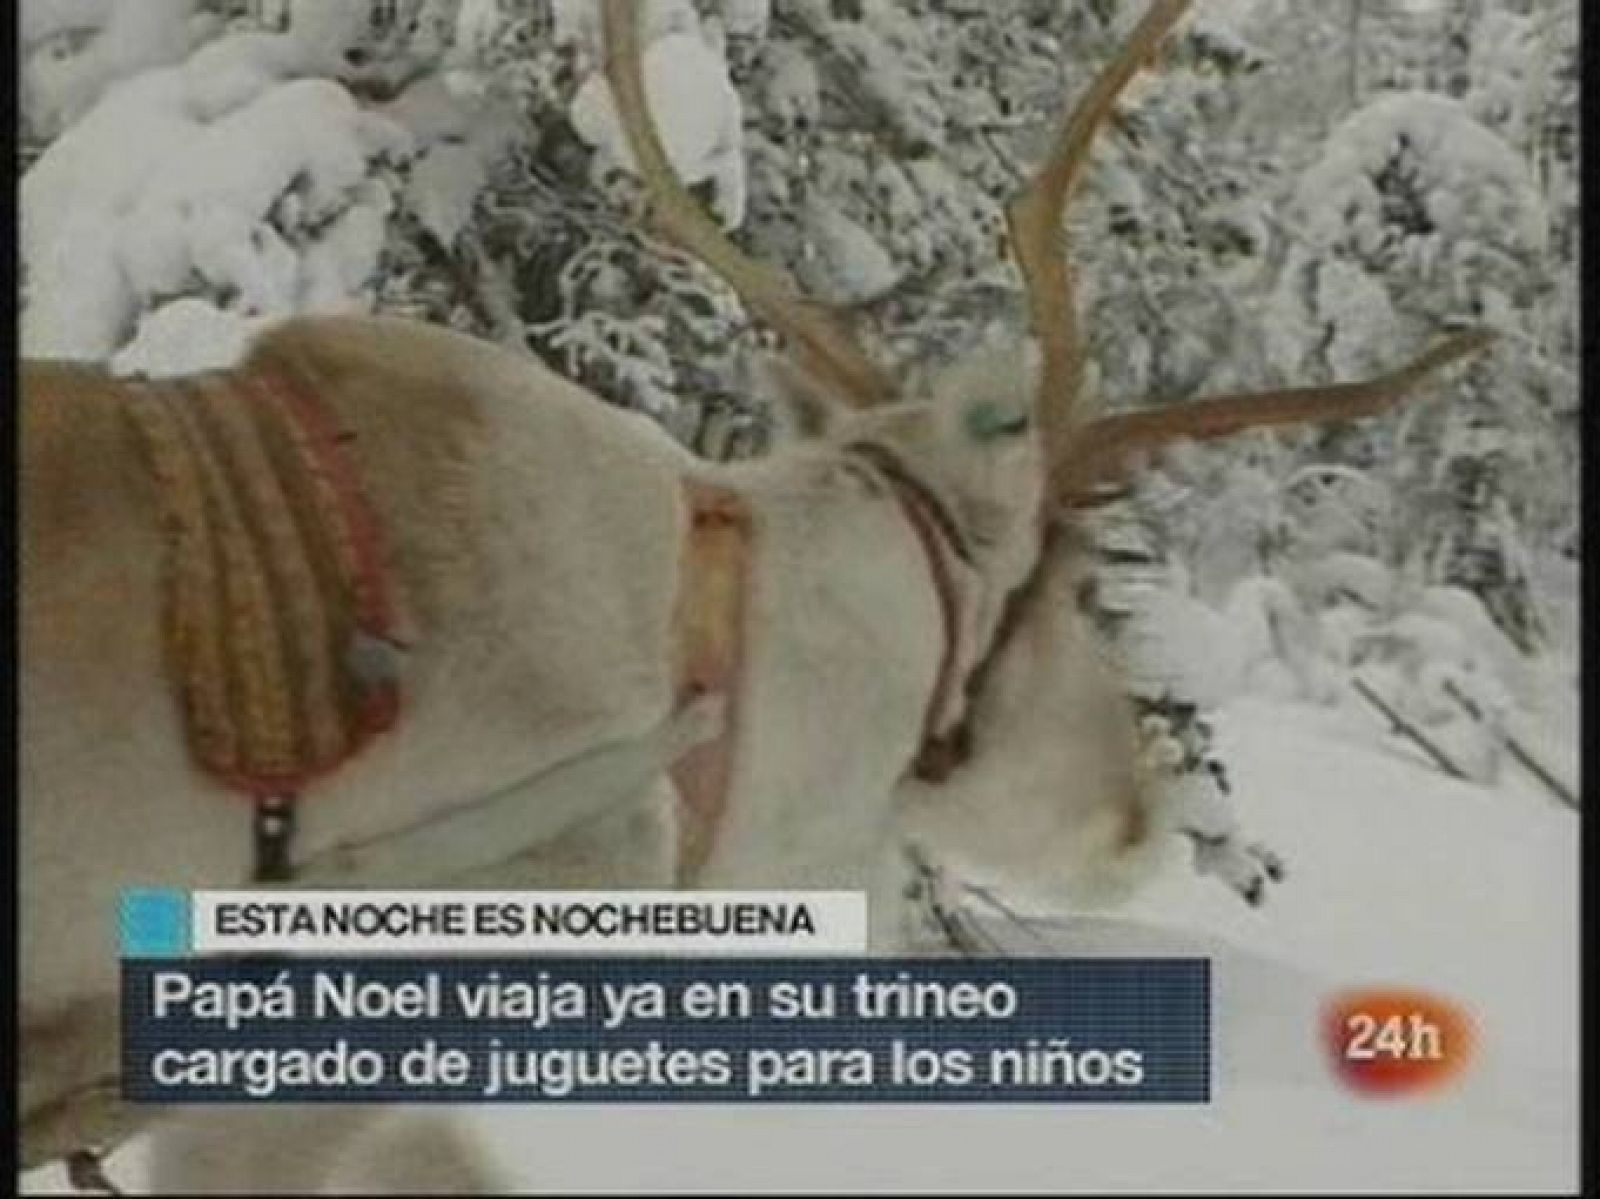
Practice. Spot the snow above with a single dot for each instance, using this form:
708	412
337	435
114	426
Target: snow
1399	876
476	25
891	80
336	269
747	18
848	264
1462	169
443	187
791	90
1509	68
206	184
1362	321
695	109
446	106
186	335
461	132
41	19
242	174
1176	643
579	22
59	85
175	175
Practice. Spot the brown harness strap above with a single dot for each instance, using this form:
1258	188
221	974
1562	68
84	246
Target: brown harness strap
941	755
939	535
913	490
709	622
710	641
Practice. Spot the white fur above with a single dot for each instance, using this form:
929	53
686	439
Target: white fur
545	583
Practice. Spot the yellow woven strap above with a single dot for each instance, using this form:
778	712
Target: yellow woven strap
194	621
302	610
262	585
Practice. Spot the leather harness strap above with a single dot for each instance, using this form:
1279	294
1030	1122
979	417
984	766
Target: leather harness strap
939	535
709	623
912	491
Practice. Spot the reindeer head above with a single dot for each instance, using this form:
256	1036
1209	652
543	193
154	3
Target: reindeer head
969	434
1044	772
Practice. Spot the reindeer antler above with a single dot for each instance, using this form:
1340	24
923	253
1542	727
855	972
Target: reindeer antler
824	344
1038	235
1106	446
1085	457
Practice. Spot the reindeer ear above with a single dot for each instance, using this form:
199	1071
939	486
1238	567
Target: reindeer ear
803	407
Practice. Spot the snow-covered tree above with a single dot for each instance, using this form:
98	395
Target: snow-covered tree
1300	192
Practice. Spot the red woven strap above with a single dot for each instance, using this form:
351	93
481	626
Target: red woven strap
279	617
374	606
358	534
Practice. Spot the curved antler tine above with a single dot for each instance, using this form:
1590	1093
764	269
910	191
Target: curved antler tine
824	344
1110	442
1039	240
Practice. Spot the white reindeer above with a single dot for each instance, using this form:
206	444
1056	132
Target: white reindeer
897	594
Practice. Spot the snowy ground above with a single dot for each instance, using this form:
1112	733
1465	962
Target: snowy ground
1400	876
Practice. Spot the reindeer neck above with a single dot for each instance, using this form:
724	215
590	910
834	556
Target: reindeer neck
917	493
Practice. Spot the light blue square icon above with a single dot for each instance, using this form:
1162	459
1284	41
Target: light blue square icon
154	922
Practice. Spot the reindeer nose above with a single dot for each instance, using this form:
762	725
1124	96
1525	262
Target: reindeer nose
357	57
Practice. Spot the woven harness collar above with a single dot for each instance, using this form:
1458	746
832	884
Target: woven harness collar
375	619
274	823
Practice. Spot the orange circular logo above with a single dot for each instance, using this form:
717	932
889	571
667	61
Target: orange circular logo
1396	1042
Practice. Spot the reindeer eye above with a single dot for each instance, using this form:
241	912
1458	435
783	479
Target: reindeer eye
991	422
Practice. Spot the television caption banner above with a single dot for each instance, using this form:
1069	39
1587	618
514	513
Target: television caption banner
160	922
630	1029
